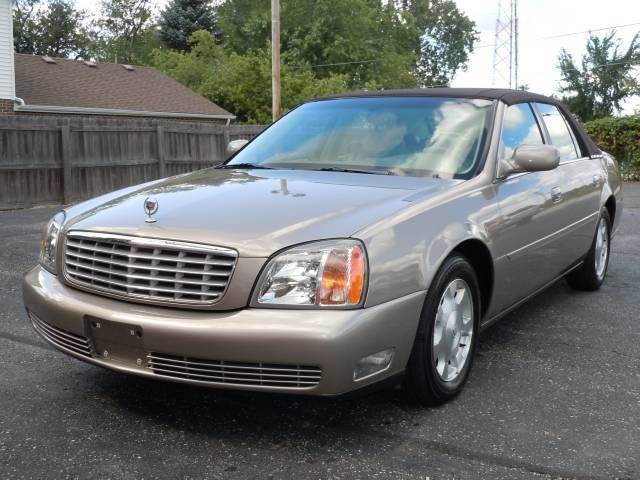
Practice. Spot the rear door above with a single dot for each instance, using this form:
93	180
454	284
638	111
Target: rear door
582	181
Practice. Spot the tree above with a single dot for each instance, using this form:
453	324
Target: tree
127	32
603	80
446	39
24	37
54	29
181	18
241	83
376	43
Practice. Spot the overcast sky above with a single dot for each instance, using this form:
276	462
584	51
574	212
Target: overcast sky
537	18
543	18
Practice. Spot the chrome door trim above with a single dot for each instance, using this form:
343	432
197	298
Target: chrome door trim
550	236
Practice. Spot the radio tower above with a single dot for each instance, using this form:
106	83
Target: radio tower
505	53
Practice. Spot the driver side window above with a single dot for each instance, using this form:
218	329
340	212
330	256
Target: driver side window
519	127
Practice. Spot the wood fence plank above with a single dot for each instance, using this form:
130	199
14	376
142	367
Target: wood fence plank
46	159
67	166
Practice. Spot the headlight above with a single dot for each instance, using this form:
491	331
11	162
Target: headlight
49	242
323	274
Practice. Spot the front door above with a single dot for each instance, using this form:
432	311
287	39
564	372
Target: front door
527	247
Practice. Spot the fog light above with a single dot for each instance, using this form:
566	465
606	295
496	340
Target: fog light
373	364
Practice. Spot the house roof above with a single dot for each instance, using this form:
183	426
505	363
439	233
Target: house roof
75	86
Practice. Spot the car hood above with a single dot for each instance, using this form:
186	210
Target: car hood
258	212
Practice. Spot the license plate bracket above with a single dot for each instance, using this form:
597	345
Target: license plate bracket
116	341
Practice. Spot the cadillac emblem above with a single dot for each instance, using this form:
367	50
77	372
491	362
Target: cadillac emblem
150	208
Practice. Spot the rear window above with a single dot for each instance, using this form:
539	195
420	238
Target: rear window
559	132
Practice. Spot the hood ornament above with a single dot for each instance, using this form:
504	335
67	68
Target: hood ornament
150	208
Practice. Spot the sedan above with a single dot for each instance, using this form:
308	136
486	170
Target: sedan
363	239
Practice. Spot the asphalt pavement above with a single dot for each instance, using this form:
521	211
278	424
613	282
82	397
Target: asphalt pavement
554	393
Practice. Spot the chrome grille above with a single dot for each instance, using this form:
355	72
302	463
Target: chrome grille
234	373
62	338
150	270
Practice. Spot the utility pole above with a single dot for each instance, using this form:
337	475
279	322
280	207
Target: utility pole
275	59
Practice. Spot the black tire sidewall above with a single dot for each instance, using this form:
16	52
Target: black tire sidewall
422	361
604	215
587	278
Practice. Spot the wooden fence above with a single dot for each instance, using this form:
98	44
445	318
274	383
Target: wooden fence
52	159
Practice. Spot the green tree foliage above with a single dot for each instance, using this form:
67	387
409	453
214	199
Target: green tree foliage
54	28
604	77
446	39
241	83
181	18
327	45
375	43
127	32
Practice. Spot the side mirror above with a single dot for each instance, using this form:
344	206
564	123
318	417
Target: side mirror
234	145
530	158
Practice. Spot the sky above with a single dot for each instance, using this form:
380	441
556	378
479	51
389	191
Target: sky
537	18
543	18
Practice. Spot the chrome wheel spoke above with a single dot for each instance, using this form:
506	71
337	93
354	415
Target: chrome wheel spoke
459	295
440	354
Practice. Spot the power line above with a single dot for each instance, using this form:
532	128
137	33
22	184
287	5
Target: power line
335	64
492	45
561	79
535	39
374	60
628	62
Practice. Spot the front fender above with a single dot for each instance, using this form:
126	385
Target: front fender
405	252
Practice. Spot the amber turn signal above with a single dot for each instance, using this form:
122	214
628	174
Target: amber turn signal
342	280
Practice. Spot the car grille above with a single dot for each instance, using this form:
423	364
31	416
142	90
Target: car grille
62	338
234	373
149	270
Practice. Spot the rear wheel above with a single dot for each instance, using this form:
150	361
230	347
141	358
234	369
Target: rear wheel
445	342
591	274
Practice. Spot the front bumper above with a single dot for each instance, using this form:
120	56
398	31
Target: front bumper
329	340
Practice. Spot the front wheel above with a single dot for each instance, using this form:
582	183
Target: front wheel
445	342
592	272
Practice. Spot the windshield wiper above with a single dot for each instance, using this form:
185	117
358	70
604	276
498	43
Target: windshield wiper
245	166
353	170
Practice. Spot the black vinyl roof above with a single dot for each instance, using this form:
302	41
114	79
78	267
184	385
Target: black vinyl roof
505	95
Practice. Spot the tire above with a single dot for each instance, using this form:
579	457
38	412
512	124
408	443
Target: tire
591	274
428	379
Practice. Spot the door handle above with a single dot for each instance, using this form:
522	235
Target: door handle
556	195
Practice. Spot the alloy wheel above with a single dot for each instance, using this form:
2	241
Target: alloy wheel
453	330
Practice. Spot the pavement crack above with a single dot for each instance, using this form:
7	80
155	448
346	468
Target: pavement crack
468	454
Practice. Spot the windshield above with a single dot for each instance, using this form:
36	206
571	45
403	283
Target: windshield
418	136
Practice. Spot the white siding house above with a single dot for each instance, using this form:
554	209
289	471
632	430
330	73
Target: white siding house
7	80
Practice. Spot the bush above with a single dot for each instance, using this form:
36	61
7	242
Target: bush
619	136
